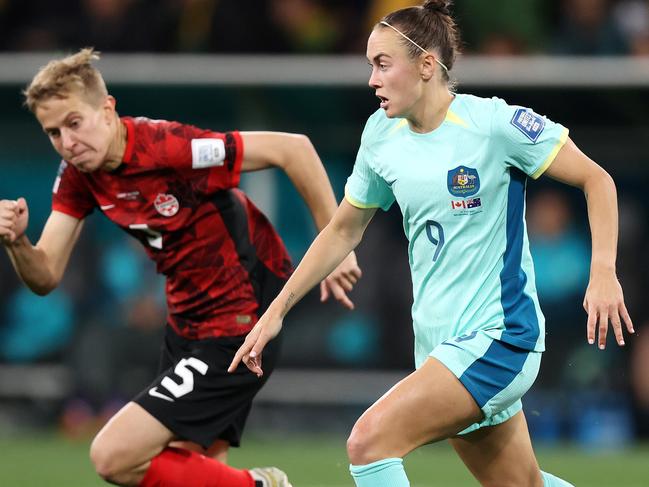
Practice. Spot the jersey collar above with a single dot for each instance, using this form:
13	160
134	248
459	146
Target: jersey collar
130	139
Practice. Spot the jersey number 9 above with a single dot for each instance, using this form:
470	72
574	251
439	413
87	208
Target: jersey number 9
437	241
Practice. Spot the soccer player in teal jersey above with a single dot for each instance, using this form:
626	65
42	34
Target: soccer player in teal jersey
457	166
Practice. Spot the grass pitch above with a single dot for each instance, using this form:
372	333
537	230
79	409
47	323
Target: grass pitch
46	460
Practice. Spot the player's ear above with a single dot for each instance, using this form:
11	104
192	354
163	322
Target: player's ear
109	107
427	67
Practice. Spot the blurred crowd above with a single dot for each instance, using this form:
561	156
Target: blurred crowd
498	27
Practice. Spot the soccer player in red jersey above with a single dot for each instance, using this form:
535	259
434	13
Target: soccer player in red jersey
174	188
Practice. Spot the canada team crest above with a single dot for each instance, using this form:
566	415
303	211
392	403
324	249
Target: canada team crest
166	204
463	181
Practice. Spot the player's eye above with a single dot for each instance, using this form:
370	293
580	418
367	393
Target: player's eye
379	66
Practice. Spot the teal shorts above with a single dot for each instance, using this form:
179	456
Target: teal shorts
495	373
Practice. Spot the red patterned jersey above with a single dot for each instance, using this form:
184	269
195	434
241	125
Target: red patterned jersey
176	193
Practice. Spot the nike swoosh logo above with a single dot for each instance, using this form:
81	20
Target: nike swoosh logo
154	392
106	207
390	183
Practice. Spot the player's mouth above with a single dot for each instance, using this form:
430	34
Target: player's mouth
82	161
384	101
76	158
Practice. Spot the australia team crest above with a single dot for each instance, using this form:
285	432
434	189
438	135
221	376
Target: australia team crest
166	204
463	181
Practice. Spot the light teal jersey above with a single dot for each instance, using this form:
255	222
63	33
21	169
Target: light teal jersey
461	190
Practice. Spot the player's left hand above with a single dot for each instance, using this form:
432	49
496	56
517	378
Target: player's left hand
341	281
604	302
267	328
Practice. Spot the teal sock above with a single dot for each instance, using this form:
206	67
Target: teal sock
384	473
550	480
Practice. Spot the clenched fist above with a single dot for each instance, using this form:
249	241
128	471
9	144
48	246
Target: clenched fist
14	216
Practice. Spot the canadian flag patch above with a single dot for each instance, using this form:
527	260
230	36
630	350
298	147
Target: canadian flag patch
166	204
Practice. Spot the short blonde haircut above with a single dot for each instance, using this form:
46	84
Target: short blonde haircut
62	77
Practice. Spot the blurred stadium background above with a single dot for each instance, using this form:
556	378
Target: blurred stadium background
69	360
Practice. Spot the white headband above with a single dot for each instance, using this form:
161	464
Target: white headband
383	22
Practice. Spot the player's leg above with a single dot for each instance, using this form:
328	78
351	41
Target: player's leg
430	404
193	399
218	451
467	382
500	452
122	450
490	452
132	447
264	476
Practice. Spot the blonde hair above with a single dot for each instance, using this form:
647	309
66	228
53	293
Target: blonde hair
62	77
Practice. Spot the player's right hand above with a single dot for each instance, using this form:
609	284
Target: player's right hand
341	281
14	216
249	353
604	303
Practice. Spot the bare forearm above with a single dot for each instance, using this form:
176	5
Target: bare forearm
31	265
327	251
601	197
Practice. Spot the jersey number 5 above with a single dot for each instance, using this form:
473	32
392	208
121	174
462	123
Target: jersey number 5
437	241
182	369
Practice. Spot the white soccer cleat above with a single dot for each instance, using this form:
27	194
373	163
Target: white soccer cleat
270	477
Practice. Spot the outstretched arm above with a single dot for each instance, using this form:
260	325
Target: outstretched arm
338	239
39	266
604	299
297	157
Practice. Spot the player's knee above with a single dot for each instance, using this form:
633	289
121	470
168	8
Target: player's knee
362	444
106	460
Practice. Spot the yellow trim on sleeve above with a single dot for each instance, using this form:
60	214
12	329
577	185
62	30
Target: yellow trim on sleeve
358	204
553	154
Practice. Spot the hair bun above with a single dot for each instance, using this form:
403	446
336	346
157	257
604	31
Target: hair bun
438	6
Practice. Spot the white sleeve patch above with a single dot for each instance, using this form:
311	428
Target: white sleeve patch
59	173
207	153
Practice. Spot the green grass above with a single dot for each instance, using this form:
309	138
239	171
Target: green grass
48	461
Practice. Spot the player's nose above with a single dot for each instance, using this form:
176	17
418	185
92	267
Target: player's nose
67	140
374	81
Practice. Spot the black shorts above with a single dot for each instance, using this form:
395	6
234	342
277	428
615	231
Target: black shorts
194	395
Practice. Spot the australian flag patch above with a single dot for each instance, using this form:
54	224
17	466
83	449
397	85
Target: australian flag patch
529	123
